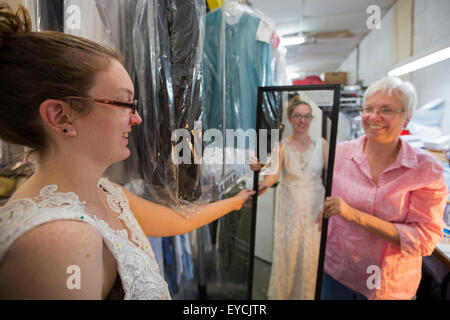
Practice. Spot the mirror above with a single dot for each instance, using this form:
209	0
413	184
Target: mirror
296	127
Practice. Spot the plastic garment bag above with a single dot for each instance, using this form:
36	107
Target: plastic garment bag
161	43
46	14
172	89
238	57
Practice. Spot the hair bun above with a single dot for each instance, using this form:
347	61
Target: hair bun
295	100
12	23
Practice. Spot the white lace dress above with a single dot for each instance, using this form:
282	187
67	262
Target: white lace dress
137	266
299	200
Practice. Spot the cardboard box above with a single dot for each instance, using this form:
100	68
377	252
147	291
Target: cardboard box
335	78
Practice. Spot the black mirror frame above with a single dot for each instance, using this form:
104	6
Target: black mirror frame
333	115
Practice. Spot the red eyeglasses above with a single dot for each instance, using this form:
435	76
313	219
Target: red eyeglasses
123	104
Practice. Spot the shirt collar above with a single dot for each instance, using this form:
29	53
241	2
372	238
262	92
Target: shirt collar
406	157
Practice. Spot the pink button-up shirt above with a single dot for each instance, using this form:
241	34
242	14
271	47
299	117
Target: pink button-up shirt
411	193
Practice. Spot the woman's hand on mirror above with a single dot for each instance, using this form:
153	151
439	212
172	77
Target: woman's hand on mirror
242	197
337	206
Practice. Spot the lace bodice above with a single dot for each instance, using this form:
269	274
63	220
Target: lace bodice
136	263
302	167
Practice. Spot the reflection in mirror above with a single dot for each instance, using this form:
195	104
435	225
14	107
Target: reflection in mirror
292	184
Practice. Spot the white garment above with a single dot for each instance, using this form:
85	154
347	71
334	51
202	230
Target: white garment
136	263
299	200
97	20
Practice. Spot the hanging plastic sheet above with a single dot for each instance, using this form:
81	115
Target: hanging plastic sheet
186	42
50	13
281	75
102	21
161	42
239	56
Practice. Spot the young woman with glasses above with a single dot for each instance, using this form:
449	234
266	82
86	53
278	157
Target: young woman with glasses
68	233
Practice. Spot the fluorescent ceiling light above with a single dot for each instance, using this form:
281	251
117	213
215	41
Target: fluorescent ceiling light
421	63
292	41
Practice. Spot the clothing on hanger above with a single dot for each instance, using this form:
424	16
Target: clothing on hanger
177	259
51	15
247	66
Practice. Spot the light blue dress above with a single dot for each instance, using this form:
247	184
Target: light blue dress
248	66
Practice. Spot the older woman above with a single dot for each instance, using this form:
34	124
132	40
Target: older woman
68	233
387	203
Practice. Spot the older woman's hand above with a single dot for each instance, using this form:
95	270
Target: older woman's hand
337	206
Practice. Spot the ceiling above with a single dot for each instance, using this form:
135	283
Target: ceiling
327	50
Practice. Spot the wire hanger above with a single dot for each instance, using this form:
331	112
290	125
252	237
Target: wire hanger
246	2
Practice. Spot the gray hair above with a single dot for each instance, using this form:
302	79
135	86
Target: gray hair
404	90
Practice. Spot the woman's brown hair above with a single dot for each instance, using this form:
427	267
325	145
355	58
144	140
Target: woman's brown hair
295	101
36	66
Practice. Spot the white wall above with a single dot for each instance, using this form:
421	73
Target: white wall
349	66
375	55
375	52
431	24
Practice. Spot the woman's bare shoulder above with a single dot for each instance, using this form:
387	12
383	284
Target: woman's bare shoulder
39	264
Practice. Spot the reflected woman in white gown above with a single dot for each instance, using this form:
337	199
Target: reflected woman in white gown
299	201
